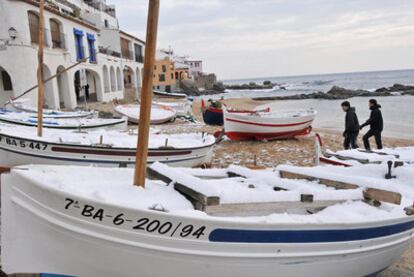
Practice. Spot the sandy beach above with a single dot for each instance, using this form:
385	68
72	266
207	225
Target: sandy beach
299	151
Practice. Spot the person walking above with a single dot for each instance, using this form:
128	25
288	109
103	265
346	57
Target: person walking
351	126
376	124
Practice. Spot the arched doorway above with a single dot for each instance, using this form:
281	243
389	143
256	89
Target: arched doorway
87	90
113	80
119	78
6	86
63	87
129	78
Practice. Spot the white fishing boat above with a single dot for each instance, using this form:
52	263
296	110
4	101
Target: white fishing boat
267	124
173	95
19	145
159	114
21	106
107	227
182	108
353	157
29	119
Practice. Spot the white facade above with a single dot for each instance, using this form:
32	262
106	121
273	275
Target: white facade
91	27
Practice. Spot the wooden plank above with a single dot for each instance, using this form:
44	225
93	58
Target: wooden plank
155	175
4	169
262	209
327	182
382	195
369	193
199	200
346	158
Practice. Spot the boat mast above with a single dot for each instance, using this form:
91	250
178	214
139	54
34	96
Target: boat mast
40	69
146	94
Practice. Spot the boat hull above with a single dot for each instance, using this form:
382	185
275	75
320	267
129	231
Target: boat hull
79	237
213	117
65	123
170	94
247	127
133	117
16	151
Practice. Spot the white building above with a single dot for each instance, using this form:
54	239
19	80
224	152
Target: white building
74	29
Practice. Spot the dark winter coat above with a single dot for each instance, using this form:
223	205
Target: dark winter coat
375	121
351	122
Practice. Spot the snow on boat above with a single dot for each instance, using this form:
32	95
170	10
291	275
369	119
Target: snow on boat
353	157
109	148
47	113
170	94
182	108
159	114
107	227
29	119
267	124
212	116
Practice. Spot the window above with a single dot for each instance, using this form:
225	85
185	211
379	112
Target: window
176	75
7	83
106	23
91	46
126	53
164	68
33	26
80	51
57	41
172	76
138	53
161	77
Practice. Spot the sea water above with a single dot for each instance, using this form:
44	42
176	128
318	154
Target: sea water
398	111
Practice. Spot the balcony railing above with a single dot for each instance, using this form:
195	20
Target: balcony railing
139	58
106	51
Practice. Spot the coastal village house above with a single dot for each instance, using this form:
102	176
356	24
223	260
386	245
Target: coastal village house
171	69
164	73
74	29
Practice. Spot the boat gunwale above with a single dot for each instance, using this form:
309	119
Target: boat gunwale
103	147
220	220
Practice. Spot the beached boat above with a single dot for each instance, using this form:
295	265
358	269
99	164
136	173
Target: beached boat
182	108
159	114
21	106
353	157
165	94
19	145
211	115
267	124
29	119
107	227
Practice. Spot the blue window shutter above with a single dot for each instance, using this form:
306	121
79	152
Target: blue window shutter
79	43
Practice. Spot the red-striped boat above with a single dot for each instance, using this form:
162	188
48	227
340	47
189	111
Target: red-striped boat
268	124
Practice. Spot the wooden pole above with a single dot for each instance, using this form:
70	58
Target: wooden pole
40	69
146	94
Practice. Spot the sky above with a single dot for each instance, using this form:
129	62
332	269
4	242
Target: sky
266	38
